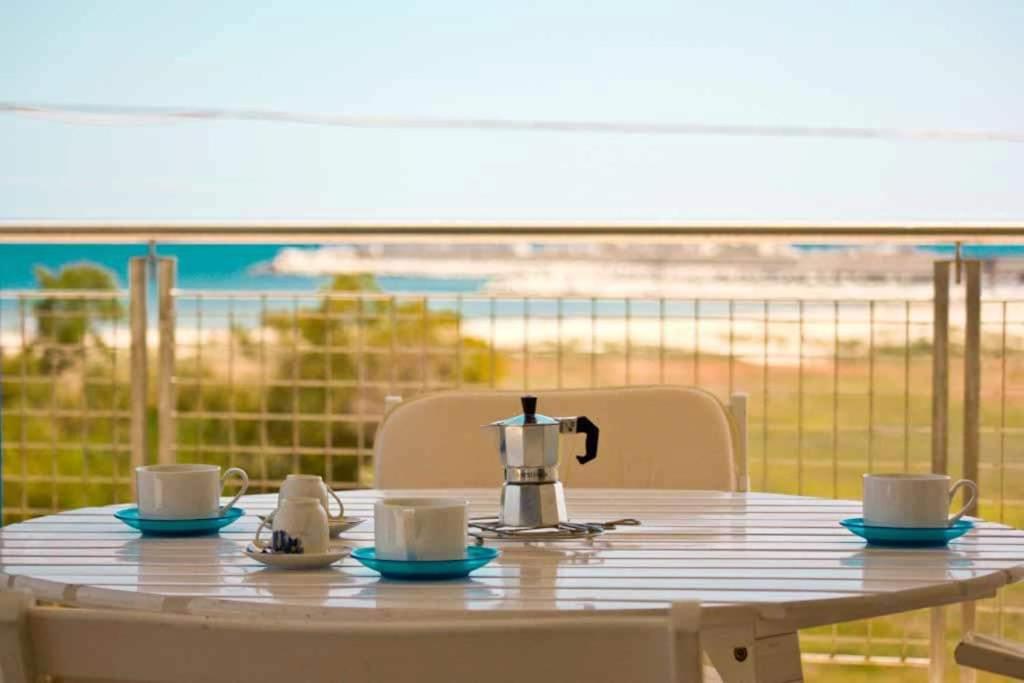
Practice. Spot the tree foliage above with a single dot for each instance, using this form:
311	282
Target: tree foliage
62	324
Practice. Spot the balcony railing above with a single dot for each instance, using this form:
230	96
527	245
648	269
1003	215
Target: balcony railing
96	382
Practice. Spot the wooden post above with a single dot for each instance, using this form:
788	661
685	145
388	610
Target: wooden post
137	279
940	368
166	272
940	441
972	413
738	408
972	377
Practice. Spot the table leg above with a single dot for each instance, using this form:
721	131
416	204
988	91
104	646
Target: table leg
740	656
968	611
937	646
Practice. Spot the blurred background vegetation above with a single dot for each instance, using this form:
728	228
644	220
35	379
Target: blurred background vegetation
290	395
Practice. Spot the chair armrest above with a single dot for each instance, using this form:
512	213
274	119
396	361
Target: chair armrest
991	654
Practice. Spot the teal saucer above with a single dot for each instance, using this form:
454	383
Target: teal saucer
178	527
907	537
476	557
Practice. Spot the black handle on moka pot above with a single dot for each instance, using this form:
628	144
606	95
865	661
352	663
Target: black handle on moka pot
566	425
585	426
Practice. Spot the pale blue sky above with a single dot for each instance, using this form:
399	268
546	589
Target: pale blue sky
868	63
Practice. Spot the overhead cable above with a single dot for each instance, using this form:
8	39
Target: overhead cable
120	115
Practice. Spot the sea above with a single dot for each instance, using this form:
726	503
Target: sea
213	268
231	267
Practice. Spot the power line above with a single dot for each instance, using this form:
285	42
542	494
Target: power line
119	115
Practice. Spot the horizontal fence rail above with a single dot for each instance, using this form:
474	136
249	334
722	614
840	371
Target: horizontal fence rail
97	381
292	231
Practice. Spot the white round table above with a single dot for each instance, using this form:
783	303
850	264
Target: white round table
783	561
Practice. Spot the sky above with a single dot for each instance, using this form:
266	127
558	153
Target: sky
913	64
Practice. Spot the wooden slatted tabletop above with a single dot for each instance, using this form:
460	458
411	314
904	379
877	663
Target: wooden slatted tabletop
783	557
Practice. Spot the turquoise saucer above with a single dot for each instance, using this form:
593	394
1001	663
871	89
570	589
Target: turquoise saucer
907	537
476	557
178	527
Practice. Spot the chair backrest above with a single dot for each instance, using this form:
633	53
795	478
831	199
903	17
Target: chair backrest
651	437
134	646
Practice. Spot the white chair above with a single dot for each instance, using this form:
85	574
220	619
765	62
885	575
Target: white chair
993	655
651	437
136	646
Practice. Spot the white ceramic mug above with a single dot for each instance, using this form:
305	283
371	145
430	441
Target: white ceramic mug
184	491
301	518
310	486
912	500
415	529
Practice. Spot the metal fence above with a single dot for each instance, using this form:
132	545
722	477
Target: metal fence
95	382
67	420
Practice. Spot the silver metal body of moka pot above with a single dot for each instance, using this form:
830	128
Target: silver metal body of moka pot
532	495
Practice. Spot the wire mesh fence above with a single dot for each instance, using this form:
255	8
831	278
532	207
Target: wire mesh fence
279	382
837	387
65	392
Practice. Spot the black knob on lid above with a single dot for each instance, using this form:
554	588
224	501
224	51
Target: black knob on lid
529	406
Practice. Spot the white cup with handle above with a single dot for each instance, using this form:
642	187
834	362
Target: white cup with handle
301	518
420	529
913	500
184	491
310	486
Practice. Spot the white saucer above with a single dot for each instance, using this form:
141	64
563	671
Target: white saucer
335	526
297	561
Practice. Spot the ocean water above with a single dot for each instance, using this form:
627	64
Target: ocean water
217	267
200	266
237	267
225	268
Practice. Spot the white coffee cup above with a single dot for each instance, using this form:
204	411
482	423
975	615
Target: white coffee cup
301	518
310	486
912	500
416	529
184	491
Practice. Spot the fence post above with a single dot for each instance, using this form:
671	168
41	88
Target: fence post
940	368
738	410
972	377
940	441
166	273
139	363
972	415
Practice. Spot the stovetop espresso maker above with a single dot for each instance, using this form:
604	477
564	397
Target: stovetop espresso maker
532	495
